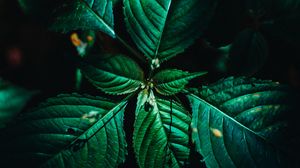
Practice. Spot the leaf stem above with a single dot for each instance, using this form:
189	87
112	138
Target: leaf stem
171	122
78	79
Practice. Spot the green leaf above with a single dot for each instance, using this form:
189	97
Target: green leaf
85	15
113	74
12	101
70	130
172	81
160	137
248	53
164	28
244	122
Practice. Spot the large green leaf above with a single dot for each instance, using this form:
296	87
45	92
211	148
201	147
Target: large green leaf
248	53
163	28
172	81
113	74
242	122
160	137
70	131
12	101
85	15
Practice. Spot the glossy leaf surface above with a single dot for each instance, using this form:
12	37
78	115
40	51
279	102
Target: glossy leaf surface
164	28
172	81
84	15
113	74
242	122
160	137
70	131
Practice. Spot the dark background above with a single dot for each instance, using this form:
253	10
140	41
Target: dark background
30	55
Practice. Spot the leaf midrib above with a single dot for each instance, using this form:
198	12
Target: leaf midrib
122	104
165	131
166	134
162	31
115	74
232	119
97	16
188	77
169	142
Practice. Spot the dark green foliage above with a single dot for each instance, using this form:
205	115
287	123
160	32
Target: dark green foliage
114	74
172	81
164	28
85	15
235	122
118	74
66	131
243	122
12	100
161	135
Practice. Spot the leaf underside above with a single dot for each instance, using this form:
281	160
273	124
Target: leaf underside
154	144
243	122
69	131
172	81
164	28
85	15
113	74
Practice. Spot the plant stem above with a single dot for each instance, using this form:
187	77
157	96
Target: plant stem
150	75
78	79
